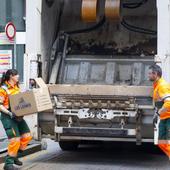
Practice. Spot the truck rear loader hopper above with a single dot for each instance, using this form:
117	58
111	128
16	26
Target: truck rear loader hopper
96	66
100	113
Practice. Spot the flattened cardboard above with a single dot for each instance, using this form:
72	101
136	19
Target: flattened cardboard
33	101
42	97
23	103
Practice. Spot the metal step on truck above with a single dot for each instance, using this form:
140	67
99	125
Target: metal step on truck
95	56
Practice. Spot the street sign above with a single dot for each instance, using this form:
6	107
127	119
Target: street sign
10	30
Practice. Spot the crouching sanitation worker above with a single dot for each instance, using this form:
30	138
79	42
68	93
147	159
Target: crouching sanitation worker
15	127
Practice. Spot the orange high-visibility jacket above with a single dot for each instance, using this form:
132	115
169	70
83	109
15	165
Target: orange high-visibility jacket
162	93
6	90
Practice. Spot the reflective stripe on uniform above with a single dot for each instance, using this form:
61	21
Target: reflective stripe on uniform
166	97
25	139
164	142
13	147
6	89
165	148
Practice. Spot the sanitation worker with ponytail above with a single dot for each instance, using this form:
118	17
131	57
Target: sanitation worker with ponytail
15	127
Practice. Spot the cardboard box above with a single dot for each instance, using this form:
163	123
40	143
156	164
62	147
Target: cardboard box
33	101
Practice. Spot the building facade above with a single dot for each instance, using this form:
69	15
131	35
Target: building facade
14	11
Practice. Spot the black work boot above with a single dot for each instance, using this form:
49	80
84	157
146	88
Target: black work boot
17	162
20	153
9	163
10	167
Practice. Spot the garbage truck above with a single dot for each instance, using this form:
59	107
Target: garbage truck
95	56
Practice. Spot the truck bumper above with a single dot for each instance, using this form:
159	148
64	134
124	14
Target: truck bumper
98	134
95	132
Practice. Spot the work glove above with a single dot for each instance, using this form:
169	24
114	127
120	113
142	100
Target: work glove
12	115
19	118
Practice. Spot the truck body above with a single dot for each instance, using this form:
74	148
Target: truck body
97	71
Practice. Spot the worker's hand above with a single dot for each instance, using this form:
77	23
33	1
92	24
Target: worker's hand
19	118
12	115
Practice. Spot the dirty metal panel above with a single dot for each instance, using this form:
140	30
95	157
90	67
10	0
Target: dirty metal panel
110	73
98	73
100	90
72	72
83	69
125	72
137	73
83	73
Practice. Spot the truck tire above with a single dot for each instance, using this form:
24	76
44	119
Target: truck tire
68	145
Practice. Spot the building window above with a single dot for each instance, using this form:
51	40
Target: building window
20	57
13	11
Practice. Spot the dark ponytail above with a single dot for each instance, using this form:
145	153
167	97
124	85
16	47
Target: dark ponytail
3	79
6	76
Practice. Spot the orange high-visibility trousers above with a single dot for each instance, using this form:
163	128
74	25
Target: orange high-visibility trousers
165	148
13	147
18	143
24	140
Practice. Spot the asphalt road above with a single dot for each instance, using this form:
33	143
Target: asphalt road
110	156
